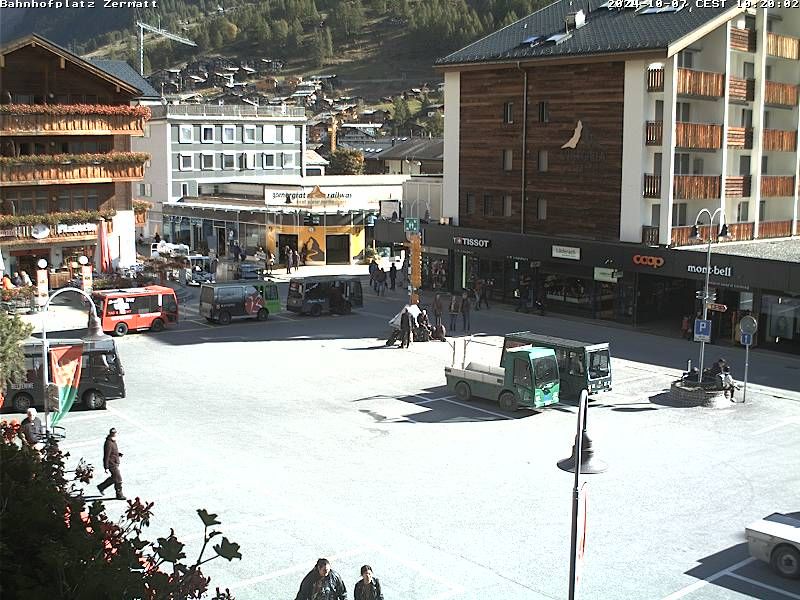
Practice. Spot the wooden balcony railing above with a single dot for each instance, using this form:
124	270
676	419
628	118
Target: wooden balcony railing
743	39
682	236
702	84
740	137
46	124
777	185
700	136
652	186
688	187
783	46
650	235
778	140
654	133
742	90
28	173
780	94
740	231
737	186
655	80
774	229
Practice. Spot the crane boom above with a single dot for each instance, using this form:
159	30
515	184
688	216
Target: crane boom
163	33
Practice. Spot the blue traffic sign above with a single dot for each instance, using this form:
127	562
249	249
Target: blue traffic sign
747	339
702	330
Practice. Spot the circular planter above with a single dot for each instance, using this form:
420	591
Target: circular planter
690	394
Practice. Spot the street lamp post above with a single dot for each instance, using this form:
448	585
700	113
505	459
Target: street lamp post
95	334
723	232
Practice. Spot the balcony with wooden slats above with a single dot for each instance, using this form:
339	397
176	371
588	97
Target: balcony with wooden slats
46	124
774	229
779	140
780	94
655	80
701	84
682	236
698	136
30	173
737	186
777	186
654	133
652	186
783	46
740	138
743	40
742	90
650	235
690	187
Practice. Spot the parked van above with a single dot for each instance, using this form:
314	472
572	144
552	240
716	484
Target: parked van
151	307
102	375
316	295
221	302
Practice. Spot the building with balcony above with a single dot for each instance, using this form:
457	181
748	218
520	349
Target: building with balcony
582	141
65	154
201	145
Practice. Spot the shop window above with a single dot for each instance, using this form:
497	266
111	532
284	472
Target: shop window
228	134
542	161
506	206
207	134
470	200
742	212
508	160
679	214
185	134
544	112
782	317
508	112
541	209
487	205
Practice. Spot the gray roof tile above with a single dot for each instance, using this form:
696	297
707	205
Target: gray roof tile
122	70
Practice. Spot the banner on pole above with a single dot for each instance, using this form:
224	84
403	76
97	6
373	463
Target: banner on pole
65	366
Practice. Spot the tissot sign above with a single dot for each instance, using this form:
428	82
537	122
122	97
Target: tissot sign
473	242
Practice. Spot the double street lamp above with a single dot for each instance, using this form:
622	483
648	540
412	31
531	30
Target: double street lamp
722	232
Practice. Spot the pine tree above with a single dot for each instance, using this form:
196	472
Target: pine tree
318	50
13	330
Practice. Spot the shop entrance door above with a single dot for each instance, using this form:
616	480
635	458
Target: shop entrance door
285	239
222	241
337	249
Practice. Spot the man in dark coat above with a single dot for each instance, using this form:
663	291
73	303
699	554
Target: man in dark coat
405	329
322	583
31	430
368	587
392	275
111	456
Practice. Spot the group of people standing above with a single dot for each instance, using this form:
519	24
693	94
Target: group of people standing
323	583
380	280
460	304
293	258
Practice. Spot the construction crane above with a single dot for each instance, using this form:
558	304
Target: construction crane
157	31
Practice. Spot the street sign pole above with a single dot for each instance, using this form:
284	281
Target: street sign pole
747	328
746	366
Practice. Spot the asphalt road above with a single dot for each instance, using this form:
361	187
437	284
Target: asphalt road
310	438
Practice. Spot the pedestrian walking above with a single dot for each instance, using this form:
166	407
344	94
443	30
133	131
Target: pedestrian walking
373	271
289	255
685	327
455	309
111	456
381	277
368	587
296	260
31	431
465	310
393	275
437	310
270	261
483	294
522	292
322	583
405	329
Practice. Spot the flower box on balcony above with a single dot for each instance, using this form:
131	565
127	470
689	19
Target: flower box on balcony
72	119
46	169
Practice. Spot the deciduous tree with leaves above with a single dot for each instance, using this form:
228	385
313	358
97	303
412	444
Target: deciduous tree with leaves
13	330
345	161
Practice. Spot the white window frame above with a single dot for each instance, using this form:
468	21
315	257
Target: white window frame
264	160
249	129
226	128
232	156
203	156
292	163
203	129
144	190
270	134
285	139
249	161
184	189
185	139
181	166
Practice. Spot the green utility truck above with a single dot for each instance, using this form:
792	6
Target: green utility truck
527	377
581	365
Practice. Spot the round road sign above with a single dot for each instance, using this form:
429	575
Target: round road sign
748	324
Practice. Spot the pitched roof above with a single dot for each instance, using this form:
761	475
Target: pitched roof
122	70
312	158
604	32
415	148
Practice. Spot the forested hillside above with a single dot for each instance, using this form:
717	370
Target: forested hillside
310	34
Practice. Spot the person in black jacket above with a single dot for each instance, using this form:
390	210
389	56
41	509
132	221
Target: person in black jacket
111	455
405	329
322	583
368	587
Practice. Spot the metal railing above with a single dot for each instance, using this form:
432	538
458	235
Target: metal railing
227	110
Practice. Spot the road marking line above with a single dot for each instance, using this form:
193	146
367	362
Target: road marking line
426	399
483	410
765	586
704	582
789	421
294	569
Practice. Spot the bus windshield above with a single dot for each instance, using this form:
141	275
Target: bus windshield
598	364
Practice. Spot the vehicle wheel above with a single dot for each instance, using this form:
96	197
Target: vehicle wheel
263	314
120	329
22	402
785	561
346	309
157	325
463	391
225	317
508	401
316	310
94	400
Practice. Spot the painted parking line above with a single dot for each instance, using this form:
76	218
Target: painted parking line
710	579
790	421
780	591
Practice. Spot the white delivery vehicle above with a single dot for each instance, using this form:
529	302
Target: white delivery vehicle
776	540
165	249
